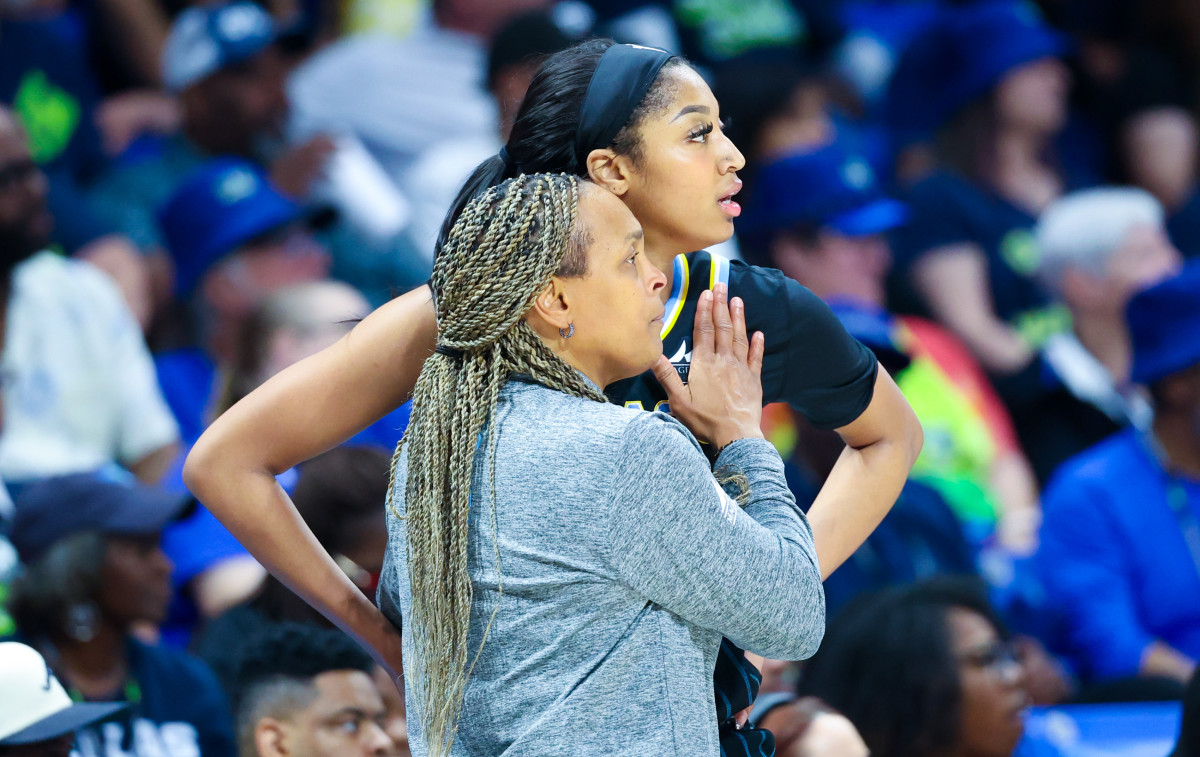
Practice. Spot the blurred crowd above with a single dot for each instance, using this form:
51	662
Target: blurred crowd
1001	198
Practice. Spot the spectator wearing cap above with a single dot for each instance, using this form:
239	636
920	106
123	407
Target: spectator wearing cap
93	571
37	716
80	391
304	690
822	219
236	239
230	75
1099	247
992	81
1120	549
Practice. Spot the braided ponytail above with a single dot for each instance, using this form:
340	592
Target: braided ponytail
499	256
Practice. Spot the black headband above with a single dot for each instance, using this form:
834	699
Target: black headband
618	85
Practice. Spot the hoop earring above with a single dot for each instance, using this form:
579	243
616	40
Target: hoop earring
570	331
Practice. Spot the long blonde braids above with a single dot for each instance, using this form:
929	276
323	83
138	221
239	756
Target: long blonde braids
501	253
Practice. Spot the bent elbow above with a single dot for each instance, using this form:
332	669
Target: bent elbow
198	467
915	437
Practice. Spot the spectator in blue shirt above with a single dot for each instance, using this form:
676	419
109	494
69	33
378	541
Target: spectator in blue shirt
1121	542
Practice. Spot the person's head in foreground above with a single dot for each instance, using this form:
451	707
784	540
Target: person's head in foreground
37	717
923	671
543	276
304	691
638	122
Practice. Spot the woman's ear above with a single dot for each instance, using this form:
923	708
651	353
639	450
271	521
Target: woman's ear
609	170
551	309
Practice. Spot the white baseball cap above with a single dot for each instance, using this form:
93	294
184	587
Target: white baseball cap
33	704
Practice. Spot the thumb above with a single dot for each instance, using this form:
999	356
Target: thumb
669	378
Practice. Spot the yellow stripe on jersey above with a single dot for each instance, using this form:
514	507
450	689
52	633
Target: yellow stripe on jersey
679	290
718	270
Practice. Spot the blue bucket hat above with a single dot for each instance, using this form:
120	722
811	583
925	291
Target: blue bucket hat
960	57
829	188
206	38
1164	326
219	208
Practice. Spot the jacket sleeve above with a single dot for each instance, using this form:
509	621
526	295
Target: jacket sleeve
678	539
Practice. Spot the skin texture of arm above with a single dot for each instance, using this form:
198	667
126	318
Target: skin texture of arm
953	281
881	446
308	408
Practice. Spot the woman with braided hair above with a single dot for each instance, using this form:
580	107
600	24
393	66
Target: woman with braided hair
561	593
644	126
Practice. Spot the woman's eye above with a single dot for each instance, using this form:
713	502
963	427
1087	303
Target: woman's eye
701	134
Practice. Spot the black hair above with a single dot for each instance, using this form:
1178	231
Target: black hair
543	134
274	673
887	665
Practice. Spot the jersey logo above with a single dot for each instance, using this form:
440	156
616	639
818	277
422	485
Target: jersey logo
683	354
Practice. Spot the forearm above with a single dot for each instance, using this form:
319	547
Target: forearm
260	515
1161	659
1015	488
860	490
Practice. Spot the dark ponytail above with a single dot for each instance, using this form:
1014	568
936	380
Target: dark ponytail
543	134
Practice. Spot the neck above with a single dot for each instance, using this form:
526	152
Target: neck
1177	433
1018	170
95	668
1105	335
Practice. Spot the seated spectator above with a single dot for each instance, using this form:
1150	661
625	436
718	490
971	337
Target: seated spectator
439	172
93	572
234	239
37	716
52	89
967	256
822	220
340	495
304	690
1120	543
230	76
80	391
291	324
1098	247
923	671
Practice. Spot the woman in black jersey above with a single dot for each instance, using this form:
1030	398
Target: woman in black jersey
645	126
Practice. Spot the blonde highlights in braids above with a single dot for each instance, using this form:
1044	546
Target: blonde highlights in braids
500	255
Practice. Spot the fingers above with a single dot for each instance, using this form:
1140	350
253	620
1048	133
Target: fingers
722	324
668	377
754	358
737	314
702	334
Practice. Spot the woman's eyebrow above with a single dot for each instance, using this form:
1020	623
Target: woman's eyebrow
690	109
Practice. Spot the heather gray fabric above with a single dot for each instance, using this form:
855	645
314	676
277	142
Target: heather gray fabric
623	564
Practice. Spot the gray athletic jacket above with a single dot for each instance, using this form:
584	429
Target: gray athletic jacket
623	564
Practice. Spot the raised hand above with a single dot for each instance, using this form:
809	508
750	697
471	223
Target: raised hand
722	401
